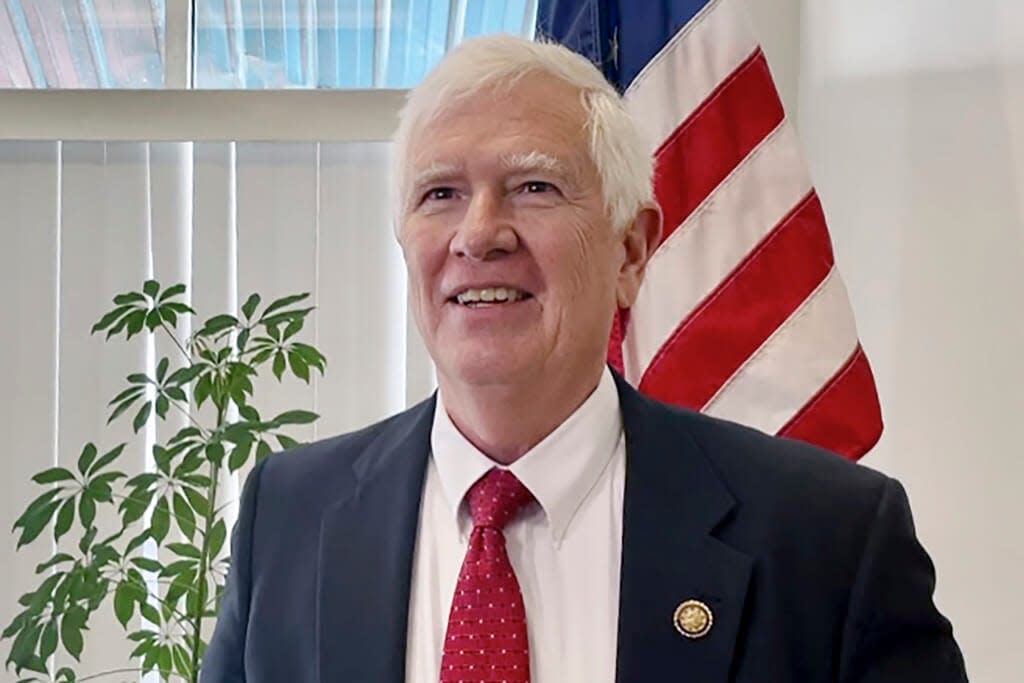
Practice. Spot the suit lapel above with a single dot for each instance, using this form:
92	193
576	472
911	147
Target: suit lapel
673	502
367	542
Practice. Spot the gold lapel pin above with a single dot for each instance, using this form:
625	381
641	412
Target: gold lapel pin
693	619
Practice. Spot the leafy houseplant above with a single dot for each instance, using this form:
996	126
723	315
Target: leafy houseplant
160	560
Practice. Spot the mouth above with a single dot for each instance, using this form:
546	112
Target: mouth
489	296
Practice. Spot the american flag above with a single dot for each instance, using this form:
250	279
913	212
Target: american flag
743	314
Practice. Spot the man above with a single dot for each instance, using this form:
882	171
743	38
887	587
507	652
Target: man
537	519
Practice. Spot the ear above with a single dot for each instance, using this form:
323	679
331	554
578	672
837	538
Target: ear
639	240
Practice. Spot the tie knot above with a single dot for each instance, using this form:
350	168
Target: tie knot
496	498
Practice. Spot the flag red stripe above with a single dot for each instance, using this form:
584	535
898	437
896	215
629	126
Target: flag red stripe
744	310
706	148
845	416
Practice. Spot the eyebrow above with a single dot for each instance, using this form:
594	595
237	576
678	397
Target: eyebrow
435	171
525	163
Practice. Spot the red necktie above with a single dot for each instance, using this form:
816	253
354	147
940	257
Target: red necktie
486	641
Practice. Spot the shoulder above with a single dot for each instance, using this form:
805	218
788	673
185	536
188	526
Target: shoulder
783	482
328	464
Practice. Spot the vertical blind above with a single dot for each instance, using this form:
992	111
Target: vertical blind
84	221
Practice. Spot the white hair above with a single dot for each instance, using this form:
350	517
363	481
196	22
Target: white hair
497	62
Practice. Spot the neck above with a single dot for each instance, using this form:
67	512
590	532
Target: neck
504	421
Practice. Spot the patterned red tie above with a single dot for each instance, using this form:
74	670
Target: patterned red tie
486	641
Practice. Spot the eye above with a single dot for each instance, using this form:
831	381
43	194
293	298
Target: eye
439	194
537	187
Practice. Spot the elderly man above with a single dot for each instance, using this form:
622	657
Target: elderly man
537	519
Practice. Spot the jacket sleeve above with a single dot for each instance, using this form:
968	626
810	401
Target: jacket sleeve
893	631
224	659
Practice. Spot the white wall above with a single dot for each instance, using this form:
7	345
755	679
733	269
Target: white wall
912	116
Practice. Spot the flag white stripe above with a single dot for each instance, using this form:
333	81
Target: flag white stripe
716	237
794	363
689	68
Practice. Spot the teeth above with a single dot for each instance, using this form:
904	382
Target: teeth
490	295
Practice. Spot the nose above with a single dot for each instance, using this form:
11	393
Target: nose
484	233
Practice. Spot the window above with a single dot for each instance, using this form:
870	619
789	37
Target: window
240	44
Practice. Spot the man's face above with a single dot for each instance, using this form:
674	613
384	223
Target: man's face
514	269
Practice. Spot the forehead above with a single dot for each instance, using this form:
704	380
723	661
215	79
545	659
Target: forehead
540	113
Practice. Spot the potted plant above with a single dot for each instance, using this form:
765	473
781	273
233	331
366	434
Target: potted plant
161	562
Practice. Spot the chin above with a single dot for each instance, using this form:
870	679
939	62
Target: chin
490	366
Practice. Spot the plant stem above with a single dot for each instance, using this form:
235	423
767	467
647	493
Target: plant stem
204	557
174	338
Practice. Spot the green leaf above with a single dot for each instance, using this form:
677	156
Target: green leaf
53	475
137	542
218	323
123	323
134	506
161	369
294	417
184	516
142	416
249	307
279	365
160	523
110	318
218	534
66	675
132	391
136	321
294	327
124	603
281	303
40	502
239	455
129	298
125	405
172	291
286	316
65	517
86	510
300	368
185	435
24	645
184	550
215	453
86	458
202	390
149	613
249	413
151	287
163	404
263	451
147	564
177	393
71	633
168	315
311	355
182	663
243	339
59	558
185	375
86	541
153	319
287	442
177	567
34	525
48	642
107	458
179	307
197	500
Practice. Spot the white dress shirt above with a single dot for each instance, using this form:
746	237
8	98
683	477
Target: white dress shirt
565	549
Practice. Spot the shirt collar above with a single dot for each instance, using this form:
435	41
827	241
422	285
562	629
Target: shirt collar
559	471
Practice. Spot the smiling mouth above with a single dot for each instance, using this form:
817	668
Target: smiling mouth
490	296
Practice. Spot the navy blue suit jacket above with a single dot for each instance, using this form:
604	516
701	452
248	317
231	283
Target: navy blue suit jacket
809	563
